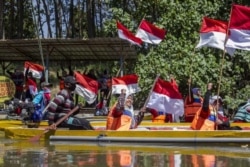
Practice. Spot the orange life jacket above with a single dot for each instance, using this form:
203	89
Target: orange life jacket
190	109
201	121
120	123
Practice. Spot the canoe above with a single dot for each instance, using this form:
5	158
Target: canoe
4	123
147	132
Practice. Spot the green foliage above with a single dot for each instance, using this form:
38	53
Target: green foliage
177	55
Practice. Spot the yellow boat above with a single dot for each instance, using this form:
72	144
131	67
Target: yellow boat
95	121
147	132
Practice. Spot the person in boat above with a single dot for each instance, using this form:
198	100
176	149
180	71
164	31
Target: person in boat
30	86
40	101
122	115
243	113
195	95
210	117
64	103
64	74
18	78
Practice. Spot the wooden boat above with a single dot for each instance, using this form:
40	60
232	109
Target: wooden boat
147	132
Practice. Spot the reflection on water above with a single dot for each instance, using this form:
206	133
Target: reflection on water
19	153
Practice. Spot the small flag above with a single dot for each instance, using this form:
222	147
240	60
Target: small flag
125	34
213	34
128	82
149	33
166	98
36	69
239	28
86	87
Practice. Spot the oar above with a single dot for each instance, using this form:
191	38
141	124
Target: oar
36	138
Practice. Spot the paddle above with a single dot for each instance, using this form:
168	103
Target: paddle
36	138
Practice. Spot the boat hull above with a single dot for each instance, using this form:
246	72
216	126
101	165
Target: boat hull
153	133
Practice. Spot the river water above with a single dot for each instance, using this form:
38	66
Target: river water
14	153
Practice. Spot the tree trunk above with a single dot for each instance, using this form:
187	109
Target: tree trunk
1	19
47	14
12	20
90	18
20	19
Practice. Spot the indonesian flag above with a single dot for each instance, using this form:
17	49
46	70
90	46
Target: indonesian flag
36	69
128	82
124	33
213	34
149	33
166	98
86	87
239	28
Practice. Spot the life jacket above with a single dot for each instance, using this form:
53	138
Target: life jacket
204	120
190	109
160	117
118	121
242	114
61	84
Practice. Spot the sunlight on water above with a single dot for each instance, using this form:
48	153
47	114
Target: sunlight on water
22	153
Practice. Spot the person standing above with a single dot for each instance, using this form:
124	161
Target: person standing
62	104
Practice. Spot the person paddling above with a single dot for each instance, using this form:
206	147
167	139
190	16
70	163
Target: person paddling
64	103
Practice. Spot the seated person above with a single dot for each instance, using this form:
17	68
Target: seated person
243	113
208	117
122	116
62	104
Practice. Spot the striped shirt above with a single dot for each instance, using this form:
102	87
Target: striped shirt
61	105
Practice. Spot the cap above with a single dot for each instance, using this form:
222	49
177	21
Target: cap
214	98
70	79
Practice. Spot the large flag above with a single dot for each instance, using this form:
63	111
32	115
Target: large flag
128	82
213	34
124	33
239	28
149	33
36	69
86	87
166	98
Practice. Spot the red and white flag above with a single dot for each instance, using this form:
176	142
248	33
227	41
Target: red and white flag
149	33
36	69
239	28
128	82
166	98
86	87
213	34
124	33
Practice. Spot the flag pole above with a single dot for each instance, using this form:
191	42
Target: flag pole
146	102
140	24
221	69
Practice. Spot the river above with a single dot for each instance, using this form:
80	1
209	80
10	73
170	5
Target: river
16	153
